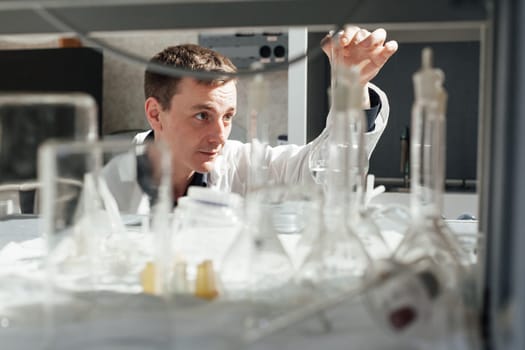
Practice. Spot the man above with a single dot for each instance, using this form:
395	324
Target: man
194	118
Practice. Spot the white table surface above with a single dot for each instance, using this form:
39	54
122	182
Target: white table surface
135	321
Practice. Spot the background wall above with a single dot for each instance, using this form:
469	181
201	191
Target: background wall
123	96
457	50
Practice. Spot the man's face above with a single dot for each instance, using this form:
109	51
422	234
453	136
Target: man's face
197	124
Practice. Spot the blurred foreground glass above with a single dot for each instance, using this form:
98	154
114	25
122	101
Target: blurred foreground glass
106	209
26	121
259	267
359	219
338	257
256	264
205	224
422	292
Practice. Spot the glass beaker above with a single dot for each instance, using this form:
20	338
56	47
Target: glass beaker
99	252
26	121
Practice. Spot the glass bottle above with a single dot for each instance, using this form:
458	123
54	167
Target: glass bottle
205	223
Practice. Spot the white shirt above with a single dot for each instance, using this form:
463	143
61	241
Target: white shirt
287	164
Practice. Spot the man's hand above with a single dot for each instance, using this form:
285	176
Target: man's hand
360	47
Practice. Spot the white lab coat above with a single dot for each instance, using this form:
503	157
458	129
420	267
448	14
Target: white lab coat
288	164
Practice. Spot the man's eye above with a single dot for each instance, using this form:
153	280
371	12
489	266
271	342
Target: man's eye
201	116
228	118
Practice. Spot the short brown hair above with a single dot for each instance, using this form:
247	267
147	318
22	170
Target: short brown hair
190	57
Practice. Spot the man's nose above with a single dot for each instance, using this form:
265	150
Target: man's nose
217	133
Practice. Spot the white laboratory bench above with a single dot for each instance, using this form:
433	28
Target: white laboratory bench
454	204
109	320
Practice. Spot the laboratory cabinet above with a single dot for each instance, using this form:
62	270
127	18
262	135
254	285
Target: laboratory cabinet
53	70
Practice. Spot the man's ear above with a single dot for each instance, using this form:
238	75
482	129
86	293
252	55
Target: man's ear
153	108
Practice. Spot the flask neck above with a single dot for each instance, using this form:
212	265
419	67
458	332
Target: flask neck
427	159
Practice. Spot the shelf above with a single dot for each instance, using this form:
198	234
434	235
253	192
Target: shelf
22	17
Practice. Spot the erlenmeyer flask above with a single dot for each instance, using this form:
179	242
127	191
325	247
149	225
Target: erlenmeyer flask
257	127
338	259
256	256
257	259
392	220
359	219
426	271
318	159
428	171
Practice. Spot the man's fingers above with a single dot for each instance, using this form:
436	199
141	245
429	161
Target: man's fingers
384	53
344	37
372	66
351	34
391	46
361	36
357	46
374	40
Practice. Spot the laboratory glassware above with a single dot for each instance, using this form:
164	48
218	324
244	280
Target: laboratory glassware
89	221
205	224
359	218
98	250
258	237
27	120
257	126
319	156
338	259
419	292
257	268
